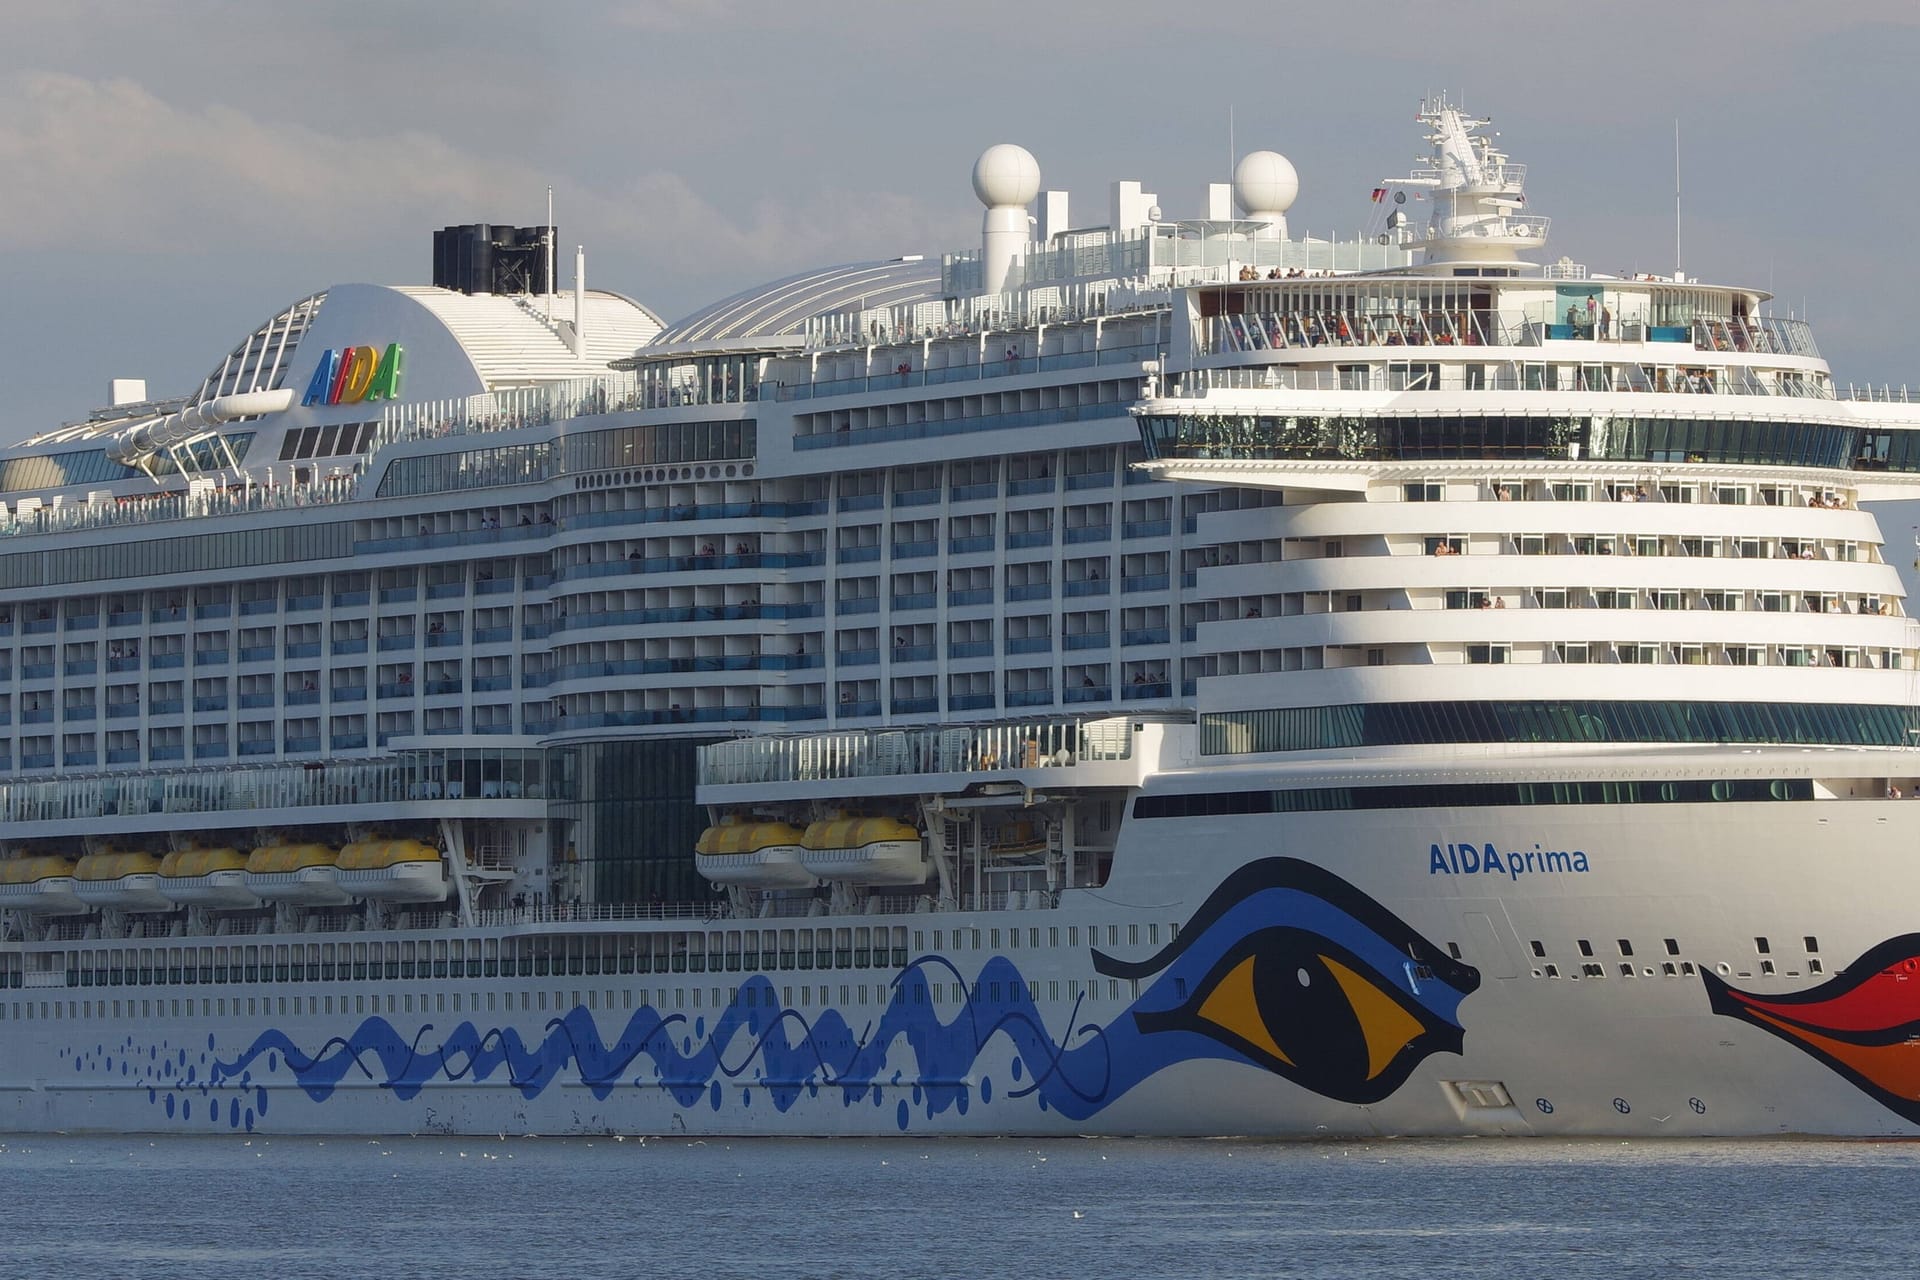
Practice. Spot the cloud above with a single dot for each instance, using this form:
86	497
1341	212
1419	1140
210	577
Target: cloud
115	166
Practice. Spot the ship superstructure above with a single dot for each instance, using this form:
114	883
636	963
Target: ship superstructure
1168	676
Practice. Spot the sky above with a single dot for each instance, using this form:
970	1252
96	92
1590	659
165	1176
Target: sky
176	173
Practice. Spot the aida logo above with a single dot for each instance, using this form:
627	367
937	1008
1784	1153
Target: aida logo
352	374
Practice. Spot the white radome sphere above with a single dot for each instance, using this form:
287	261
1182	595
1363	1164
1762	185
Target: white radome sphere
1006	174
1265	182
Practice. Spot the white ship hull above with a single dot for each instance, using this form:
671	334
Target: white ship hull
1604	1054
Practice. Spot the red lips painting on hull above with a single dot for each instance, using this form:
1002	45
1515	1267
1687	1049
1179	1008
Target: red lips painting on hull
1864	1023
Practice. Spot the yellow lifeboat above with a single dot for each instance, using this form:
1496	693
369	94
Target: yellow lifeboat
127	881
865	851
752	854
393	871
303	874
40	884
1017	840
207	878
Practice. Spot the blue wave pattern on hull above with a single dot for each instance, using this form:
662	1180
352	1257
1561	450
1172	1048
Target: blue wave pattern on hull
1284	967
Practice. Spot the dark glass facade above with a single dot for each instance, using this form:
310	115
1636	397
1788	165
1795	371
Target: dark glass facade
1471	795
1398	724
624	822
200	553
1520	437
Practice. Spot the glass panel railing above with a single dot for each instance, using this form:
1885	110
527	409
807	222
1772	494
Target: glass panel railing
877	752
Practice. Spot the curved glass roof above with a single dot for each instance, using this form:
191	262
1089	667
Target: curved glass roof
783	306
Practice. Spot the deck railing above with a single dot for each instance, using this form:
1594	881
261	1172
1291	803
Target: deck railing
992	748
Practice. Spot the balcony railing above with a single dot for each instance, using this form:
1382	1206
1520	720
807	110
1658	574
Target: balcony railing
879	752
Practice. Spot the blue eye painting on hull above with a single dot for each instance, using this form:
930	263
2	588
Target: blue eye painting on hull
1286	967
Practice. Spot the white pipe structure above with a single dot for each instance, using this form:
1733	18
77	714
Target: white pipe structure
580	301
135	445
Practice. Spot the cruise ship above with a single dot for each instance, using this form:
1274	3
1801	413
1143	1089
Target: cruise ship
1160	675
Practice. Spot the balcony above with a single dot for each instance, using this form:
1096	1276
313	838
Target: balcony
1144	636
915	706
209	657
1089	587
1030	644
396	644
971	649
1090	693
1091	480
256	653
969	702
342	646
1030	591
351	599
915	550
1091	533
913	653
1144	582
1091	640
1146	689
915	600
966	546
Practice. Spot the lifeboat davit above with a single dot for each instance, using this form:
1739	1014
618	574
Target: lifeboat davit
865	851
207	878
756	855
127	881
41	885
302	874
393	871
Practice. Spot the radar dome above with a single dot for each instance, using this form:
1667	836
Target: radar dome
1006	174
1265	182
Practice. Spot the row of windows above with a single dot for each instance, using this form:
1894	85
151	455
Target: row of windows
593	451
197	553
1469	795
746	951
1441	436
623	999
1395	724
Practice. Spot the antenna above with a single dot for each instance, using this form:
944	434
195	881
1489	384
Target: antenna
1676	197
1232	156
547	235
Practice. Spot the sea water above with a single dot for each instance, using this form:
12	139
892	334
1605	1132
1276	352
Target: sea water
263	1207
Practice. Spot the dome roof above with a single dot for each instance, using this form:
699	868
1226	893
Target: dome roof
784	306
